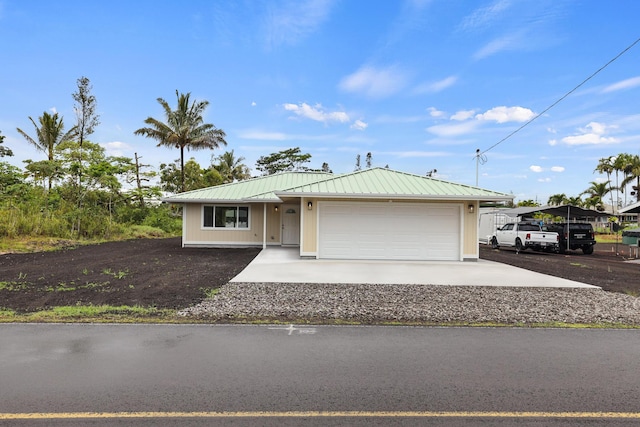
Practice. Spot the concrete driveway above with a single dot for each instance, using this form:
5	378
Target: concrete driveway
284	265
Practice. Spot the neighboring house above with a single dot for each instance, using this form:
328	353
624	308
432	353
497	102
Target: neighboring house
369	214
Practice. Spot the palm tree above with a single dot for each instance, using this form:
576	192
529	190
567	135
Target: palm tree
619	165
557	199
184	128
49	134
231	168
605	165
574	201
632	172
596	193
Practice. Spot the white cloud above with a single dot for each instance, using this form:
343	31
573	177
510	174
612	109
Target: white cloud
591	134
317	113
535	168
359	125
434	112
463	115
624	84
116	148
509	42
544	179
290	22
469	121
253	104
484	16
438	86
457	129
553	142
53	110
374	82
507	114
557	168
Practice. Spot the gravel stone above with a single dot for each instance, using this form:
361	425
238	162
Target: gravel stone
433	304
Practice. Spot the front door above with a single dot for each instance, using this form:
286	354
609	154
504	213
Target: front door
291	224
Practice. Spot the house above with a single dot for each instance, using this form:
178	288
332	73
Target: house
373	214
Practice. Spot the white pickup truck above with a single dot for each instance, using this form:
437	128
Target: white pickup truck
524	235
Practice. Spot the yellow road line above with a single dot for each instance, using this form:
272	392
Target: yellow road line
317	414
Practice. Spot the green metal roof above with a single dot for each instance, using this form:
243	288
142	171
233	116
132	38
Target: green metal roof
368	183
382	182
255	189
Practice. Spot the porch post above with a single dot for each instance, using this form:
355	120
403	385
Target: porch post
264	227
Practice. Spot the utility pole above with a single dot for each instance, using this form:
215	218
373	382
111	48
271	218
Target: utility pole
481	159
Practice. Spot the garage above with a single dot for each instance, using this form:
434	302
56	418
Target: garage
385	230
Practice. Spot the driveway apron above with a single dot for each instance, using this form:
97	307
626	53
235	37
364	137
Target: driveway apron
284	265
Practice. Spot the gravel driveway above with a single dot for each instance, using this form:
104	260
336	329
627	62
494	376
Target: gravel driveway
329	303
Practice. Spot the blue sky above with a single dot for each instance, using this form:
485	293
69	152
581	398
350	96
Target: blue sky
419	84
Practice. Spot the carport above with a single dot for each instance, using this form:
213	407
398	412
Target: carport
568	212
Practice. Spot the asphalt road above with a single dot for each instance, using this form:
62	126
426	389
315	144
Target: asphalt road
316	375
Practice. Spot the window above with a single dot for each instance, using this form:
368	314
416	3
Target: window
226	217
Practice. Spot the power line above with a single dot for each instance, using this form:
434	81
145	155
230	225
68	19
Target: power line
561	99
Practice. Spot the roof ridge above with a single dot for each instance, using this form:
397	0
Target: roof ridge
253	178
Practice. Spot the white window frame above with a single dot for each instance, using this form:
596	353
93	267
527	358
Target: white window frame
235	228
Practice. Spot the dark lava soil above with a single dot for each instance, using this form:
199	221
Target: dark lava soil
608	267
160	273
147	272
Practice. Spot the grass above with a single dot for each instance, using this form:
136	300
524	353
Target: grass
608	238
210	292
28	244
12	286
577	264
118	275
92	314
136	314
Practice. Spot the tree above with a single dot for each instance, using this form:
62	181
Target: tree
528	203
194	176
49	135
368	160
619	164
557	199
283	161
184	128
596	193
140	177
230	167
605	165
575	201
632	173
4	151
85	108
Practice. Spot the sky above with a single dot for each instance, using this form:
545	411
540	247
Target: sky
419	84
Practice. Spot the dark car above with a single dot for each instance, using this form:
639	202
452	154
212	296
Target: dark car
575	235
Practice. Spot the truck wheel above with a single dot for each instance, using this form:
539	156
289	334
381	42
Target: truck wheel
519	245
494	243
587	249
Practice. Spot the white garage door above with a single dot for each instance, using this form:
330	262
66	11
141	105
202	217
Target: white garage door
401	231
